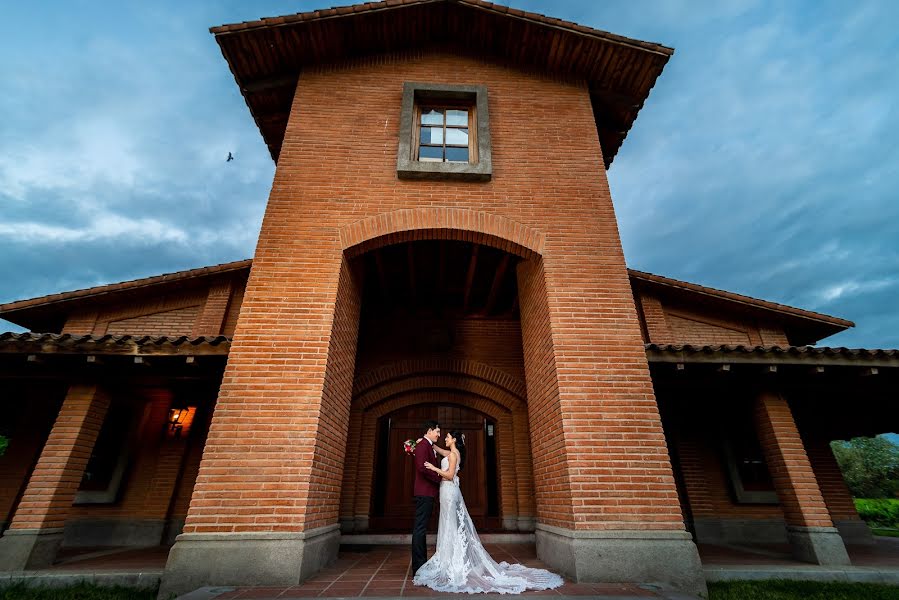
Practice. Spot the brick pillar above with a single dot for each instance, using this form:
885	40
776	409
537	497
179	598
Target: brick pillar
836	494
36	530
349	491
523	471
656	324
170	453
607	505
266	503
812	535
212	316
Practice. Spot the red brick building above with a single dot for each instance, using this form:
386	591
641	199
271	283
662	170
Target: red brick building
440	241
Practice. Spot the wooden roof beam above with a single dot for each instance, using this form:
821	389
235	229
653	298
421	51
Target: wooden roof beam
469	277
410	260
382	277
497	283
269	83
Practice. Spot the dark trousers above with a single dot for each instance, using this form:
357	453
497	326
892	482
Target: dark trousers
424	505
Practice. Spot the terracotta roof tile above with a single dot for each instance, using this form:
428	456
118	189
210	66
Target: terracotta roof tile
783	354
51	343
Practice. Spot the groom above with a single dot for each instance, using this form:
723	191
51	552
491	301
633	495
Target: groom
427	485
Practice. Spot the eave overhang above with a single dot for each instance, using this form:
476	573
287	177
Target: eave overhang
266	56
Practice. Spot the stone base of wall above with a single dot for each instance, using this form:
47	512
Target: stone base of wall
768	531
667	558
818	545
740	531
247	559
113	532
855	532
28	549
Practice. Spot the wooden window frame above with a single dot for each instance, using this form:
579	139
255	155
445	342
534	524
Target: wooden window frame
741	494
474	97
472	127
136	422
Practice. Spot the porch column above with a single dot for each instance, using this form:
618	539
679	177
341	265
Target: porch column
836	494
36	530
266	503
607	506
811	532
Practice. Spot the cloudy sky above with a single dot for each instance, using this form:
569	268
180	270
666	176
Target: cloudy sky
765	161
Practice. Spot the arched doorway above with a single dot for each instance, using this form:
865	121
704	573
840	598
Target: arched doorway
393	505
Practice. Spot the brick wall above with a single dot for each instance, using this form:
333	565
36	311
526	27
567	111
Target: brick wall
672	322
171	322
494	342
698	428
37	405
475	372
544	410
47	500
694	331
794	479
338	166
204	307
830	480
238	288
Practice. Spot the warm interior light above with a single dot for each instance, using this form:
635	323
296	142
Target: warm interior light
180	420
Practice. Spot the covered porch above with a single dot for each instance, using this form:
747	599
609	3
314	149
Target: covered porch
749	431
105	438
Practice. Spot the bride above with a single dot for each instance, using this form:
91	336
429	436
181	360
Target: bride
461	564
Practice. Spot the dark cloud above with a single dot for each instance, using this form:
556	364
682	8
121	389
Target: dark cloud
763	162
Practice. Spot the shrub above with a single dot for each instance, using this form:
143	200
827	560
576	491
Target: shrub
870	466
879	512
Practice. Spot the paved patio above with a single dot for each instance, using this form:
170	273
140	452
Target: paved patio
383	571
878	562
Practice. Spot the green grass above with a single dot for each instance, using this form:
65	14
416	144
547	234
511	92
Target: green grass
800	590
885	532
81	591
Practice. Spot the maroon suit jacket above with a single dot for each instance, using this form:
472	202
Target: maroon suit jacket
427	482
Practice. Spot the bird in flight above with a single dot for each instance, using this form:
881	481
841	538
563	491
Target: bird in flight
230	157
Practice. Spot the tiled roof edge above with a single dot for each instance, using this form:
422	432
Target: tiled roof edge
821	356
140	340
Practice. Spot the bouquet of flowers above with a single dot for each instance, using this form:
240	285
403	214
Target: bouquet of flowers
409	446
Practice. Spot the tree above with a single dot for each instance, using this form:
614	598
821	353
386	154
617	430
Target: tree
869	465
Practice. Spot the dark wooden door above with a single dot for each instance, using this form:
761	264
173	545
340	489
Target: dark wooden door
393	506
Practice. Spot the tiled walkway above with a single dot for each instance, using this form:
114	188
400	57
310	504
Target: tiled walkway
884	552
384	571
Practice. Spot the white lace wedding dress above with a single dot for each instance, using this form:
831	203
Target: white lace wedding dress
462	565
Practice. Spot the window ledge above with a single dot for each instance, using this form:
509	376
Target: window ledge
406	168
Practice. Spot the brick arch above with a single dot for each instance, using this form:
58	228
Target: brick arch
483	405
381	388
460	383
442	223
400	369
356	495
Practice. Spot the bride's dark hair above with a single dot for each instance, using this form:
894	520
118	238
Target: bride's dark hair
460	445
